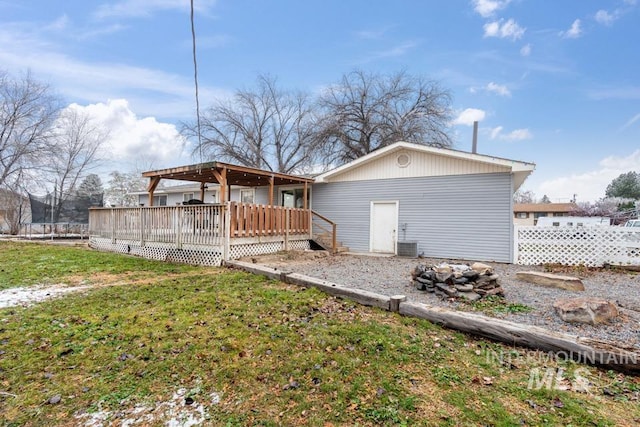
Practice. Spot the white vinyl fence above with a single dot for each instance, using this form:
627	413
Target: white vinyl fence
589	246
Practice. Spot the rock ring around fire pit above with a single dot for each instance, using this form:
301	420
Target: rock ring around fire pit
468	282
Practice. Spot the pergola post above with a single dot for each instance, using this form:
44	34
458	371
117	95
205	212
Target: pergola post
305	205
203	185
271	185
153	184
222	180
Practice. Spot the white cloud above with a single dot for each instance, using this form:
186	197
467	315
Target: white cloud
526	50
605	18
149	91
631	121
142	8
515	135
499	89
398	50
590	186
574	32
468	116
487	8
134	139
518	135
495	132
504	30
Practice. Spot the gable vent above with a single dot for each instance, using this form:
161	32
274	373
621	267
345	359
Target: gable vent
403	160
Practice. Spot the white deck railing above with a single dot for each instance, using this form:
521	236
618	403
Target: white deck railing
208	224
197	224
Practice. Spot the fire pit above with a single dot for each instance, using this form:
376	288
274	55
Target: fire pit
469	282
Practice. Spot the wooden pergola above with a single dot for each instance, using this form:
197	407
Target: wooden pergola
226	175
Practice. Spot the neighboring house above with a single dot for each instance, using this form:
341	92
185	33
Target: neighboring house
528	213
177	194
453	204
573	221
287	195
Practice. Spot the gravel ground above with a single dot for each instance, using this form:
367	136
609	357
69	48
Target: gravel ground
391	276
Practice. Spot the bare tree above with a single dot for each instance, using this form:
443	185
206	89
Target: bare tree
120	187
14	205
265	128
364	112
74	151
27	112
524	197
607	206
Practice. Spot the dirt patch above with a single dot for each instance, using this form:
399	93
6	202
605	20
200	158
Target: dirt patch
287	258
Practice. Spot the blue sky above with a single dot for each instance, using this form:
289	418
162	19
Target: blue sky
551	82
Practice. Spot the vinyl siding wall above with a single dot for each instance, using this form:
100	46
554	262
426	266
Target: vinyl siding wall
420	165
460	217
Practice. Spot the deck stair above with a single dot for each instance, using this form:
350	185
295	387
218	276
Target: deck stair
325	233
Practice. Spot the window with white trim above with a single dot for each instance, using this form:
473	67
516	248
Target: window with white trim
294	197
248	195
160	200
187	196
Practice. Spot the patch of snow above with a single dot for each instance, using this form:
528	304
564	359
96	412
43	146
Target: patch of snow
32	294
172	413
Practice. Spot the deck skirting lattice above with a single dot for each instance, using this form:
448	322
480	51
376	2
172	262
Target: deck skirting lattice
192	254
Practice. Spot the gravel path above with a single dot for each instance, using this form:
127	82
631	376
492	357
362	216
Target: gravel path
391	276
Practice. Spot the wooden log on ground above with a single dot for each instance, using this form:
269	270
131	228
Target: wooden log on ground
271	273
551	280
357	295
581	349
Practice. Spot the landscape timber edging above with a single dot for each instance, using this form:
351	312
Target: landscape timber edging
581	349
357	295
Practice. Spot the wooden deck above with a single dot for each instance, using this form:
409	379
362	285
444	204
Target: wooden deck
200	234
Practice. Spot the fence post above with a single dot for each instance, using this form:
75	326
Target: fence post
287	220
516	230
226	233
179	212
113	227
142	224
334	238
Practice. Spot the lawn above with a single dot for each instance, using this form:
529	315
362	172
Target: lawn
154	342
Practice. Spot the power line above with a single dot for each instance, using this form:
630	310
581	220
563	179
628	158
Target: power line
195	77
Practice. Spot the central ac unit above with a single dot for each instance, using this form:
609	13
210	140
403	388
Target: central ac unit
408	249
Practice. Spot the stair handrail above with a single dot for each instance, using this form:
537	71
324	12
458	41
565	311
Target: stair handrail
334	227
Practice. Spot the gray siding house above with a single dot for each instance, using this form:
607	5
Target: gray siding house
286	195
444	203
453	204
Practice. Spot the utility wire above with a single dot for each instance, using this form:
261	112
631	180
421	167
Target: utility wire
195	77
